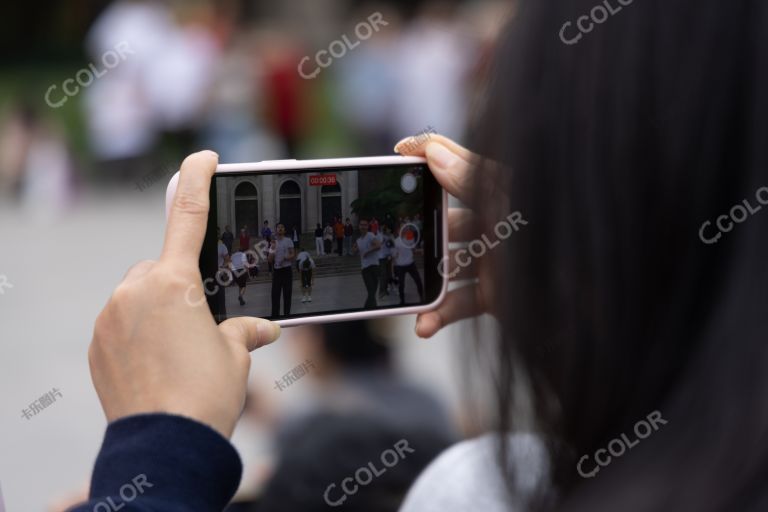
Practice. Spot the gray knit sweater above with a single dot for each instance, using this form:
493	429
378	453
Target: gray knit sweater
467	477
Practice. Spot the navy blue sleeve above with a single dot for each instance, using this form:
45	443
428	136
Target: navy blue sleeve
161	462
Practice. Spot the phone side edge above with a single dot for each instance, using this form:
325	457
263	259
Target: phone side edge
325	163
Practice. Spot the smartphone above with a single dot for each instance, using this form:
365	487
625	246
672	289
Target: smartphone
316	241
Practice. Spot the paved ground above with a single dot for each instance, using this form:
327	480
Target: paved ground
329	293
63	266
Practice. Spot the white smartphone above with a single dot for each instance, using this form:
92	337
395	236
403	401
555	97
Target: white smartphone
316	241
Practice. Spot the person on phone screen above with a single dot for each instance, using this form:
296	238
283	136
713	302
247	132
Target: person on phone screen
338	230
405	264
306	265
614	303
349	231
319	250
281	255
385	259
223	253
328	239
266	232
228	237
368	247
240	268
245	238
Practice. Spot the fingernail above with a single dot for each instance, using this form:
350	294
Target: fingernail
213	153
440	155
400	143
268	332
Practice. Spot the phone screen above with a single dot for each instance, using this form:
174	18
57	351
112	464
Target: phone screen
316	242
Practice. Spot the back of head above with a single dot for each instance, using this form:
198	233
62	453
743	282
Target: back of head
354	344
624	294
349	463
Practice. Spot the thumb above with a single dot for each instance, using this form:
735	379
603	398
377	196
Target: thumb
250	332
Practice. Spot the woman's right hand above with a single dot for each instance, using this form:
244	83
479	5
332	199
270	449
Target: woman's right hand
452	166
153	349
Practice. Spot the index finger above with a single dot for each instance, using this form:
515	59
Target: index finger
188	218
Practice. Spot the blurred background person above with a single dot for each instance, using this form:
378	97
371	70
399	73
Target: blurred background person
357	407
200	73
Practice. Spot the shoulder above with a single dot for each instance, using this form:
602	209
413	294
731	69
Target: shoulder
467	476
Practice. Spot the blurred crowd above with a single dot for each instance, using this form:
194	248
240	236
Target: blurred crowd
225	75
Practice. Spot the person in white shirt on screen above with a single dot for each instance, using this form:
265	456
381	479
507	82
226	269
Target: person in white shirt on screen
281	256
328	239
240	271
404	264
223	254
319	249
368	246
385	258
306	265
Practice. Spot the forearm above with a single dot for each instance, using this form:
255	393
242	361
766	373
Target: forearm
161	462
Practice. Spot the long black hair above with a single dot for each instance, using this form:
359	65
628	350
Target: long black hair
617	149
